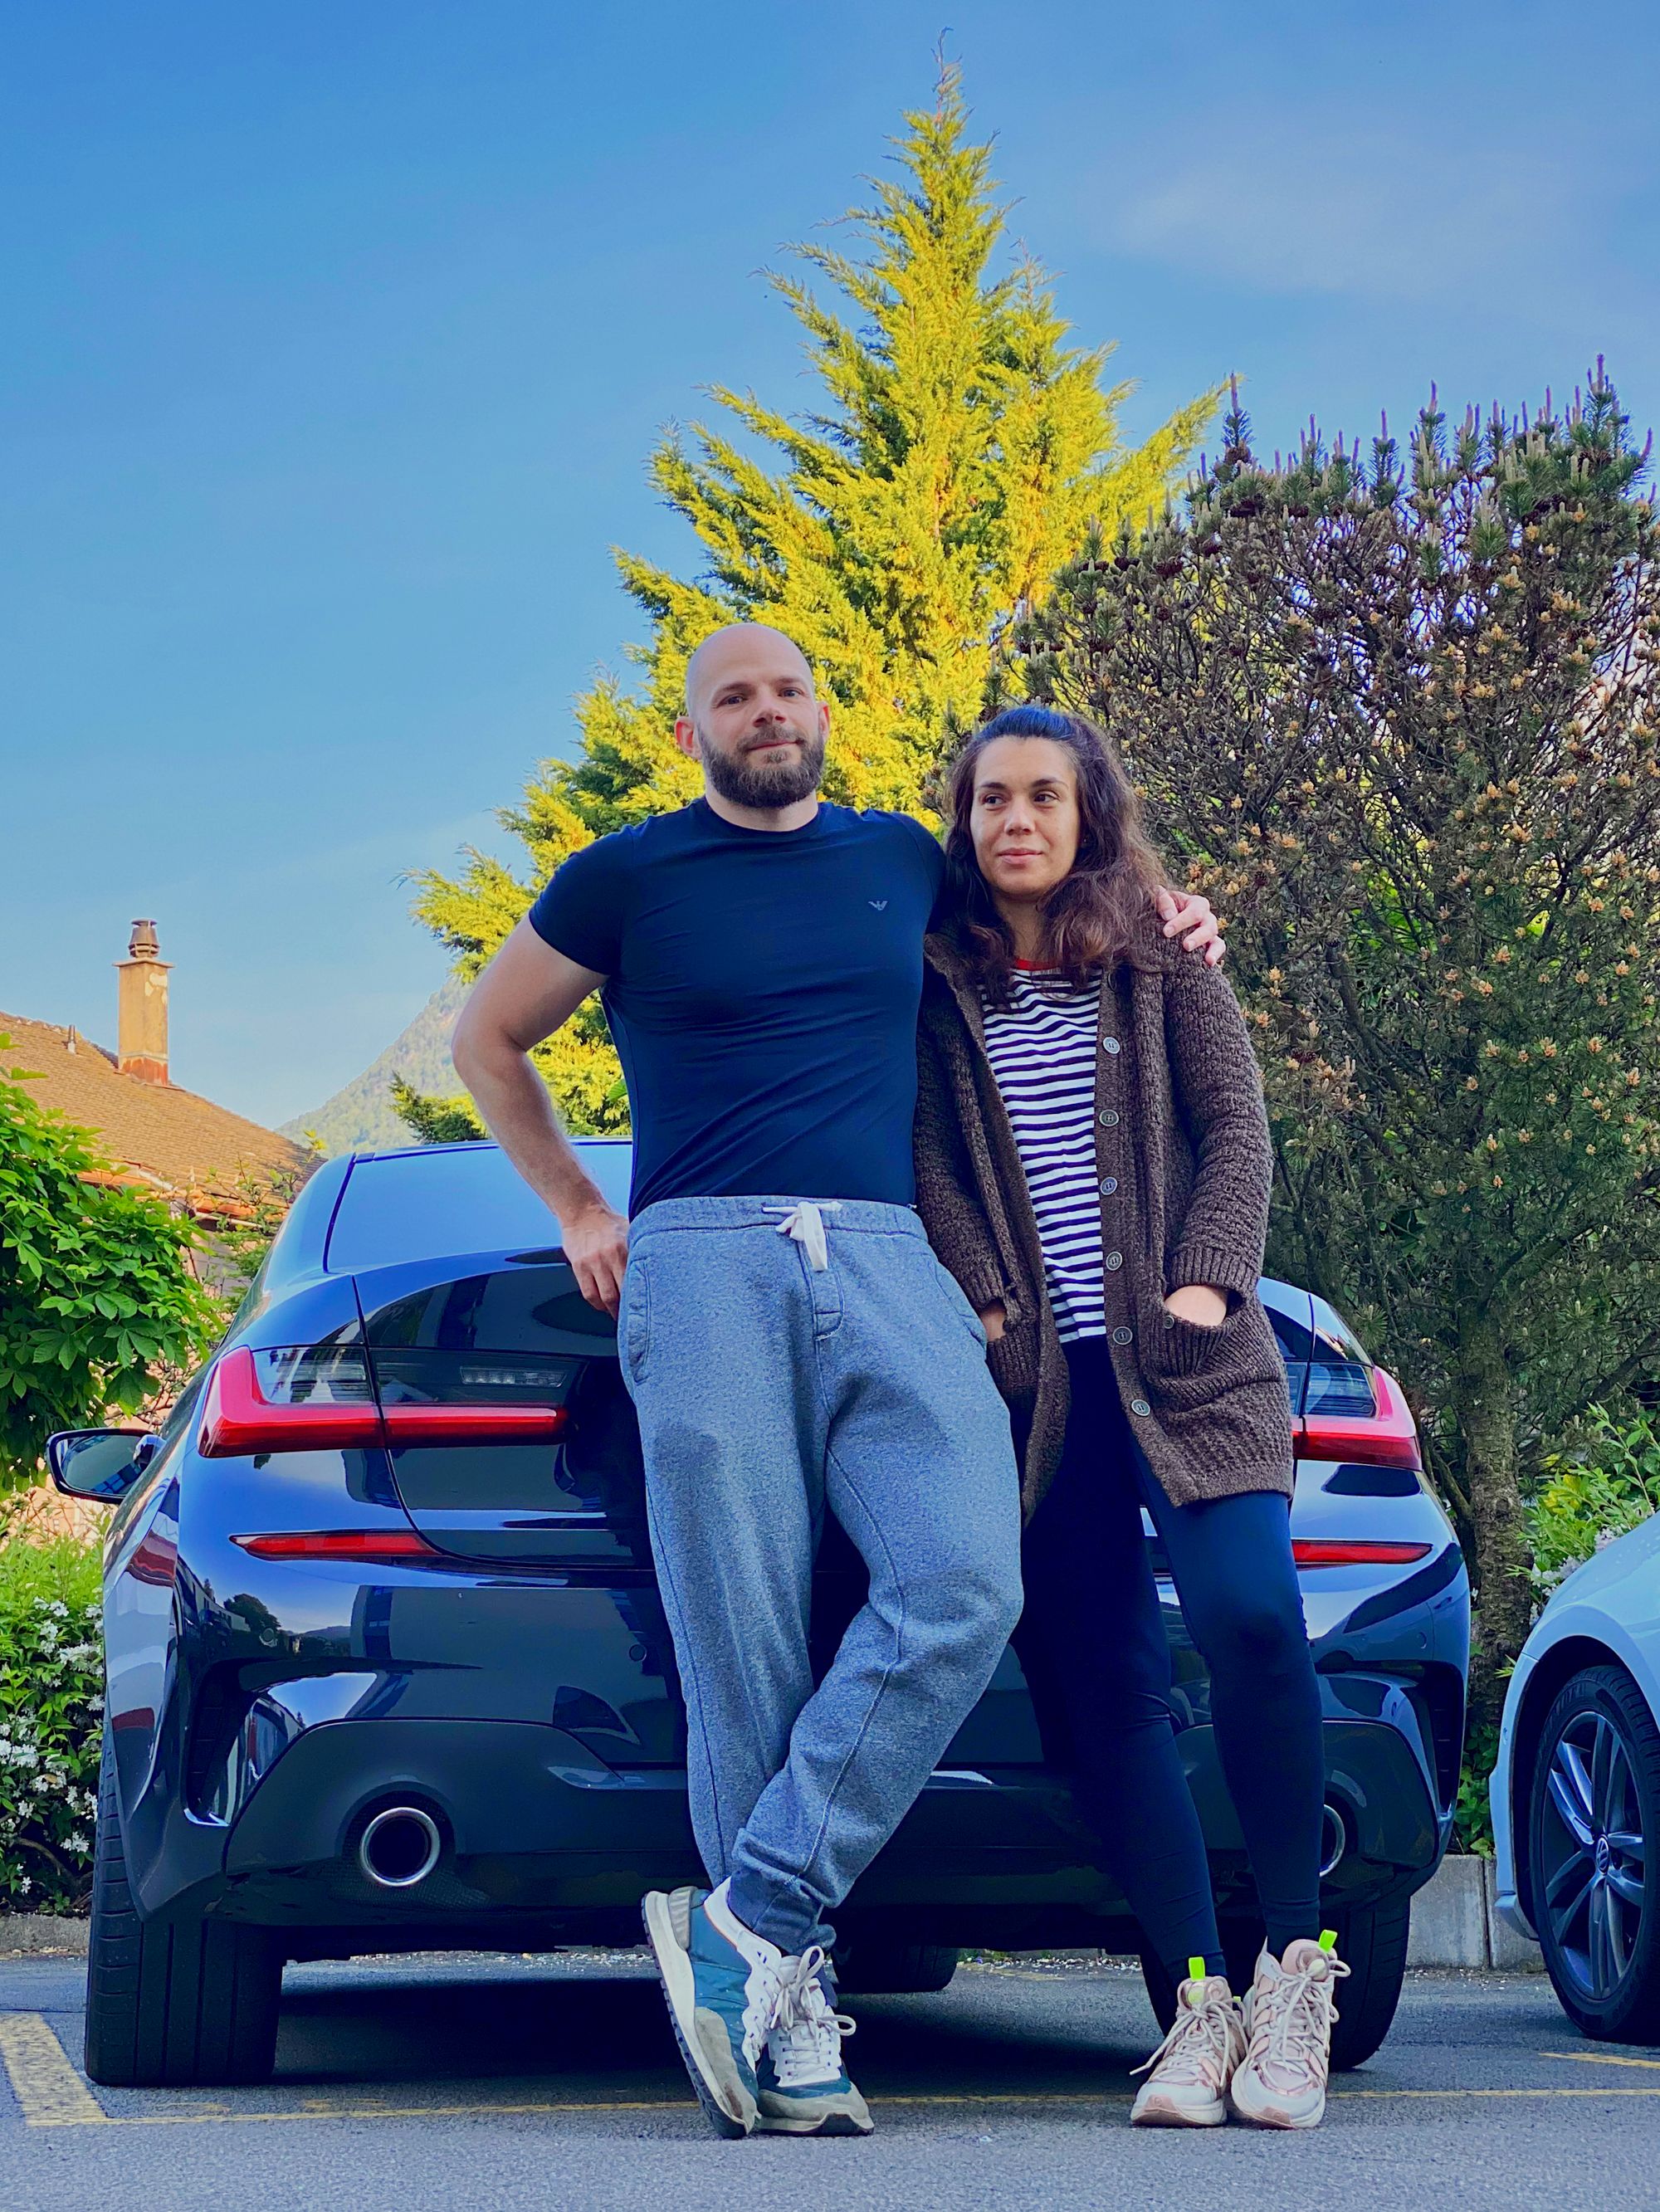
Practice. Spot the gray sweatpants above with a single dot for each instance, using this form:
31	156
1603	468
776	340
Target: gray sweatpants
775	1374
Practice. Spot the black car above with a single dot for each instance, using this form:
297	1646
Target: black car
387	1668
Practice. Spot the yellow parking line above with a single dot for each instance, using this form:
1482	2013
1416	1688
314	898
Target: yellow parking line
52	2095
1345	2096
576	2110
49	2091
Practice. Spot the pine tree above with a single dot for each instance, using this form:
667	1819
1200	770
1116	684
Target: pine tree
962	449
1399	713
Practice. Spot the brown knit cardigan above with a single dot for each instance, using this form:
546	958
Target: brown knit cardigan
1182	1155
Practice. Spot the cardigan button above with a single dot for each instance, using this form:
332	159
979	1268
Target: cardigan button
1110	1119
1109	1044
1140	1406
1123	1335
1109	1184
1115	1261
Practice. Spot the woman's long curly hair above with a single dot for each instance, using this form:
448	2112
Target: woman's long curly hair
1091	917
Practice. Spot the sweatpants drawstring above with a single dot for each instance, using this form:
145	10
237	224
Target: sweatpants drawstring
806	1224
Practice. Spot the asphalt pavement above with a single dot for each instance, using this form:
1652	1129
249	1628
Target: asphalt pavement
499	2082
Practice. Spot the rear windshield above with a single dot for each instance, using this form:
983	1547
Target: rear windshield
1339	1369
434	1201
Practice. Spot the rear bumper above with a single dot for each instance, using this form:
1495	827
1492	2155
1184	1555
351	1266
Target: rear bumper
544	1843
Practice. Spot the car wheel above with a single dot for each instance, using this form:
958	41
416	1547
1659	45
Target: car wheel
877	1969
1593	1815
174	2000
1371	1942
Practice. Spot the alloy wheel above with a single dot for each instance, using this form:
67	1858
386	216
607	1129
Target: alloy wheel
1592	1853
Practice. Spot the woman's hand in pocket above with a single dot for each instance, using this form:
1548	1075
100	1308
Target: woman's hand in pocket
1198	1303
993	1320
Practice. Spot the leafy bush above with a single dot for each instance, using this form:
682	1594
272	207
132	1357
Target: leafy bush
95	1283
1472	1819
1607	1485
52	1707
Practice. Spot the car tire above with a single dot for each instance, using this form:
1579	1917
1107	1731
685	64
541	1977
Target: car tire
173	2002
1371	1942
1242	1943
876	1969
1598	1766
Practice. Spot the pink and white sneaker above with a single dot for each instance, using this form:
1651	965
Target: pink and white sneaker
1281	2081
1188	2075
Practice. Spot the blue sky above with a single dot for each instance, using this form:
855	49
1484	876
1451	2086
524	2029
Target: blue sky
338	337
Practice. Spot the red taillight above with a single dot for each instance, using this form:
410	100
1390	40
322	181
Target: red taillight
384	1544
238	1419
1321	1552
1386	1438
461	1424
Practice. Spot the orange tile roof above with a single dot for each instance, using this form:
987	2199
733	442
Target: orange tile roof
175	1142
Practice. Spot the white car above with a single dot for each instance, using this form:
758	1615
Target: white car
1576	1791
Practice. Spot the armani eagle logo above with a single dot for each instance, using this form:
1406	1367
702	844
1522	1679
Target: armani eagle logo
881	905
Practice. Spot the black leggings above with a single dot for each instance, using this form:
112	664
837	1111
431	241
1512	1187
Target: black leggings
1092	1641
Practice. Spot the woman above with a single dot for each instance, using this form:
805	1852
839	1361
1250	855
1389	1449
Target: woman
1093	1167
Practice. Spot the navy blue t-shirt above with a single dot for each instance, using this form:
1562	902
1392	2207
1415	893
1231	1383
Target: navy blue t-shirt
762	988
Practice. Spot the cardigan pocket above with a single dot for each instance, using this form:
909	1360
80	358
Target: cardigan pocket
1012	1360
1190	1363
1175	1345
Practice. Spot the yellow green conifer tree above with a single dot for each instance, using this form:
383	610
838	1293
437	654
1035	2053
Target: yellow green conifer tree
962	448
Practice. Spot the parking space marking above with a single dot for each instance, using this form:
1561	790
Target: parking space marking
51	2094
1602	2058
604	2108
1345	2096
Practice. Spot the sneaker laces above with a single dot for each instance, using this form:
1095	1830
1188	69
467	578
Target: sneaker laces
1197	2048
803	2034
1290	2023
761	2001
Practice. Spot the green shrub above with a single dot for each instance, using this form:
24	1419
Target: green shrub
1609	1484
1472	1819
52	1707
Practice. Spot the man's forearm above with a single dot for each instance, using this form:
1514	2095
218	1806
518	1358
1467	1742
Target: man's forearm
519	1113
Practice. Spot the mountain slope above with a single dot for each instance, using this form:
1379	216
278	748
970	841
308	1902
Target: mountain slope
360	1117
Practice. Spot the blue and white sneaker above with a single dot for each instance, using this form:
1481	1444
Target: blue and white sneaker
803	2085
722	1986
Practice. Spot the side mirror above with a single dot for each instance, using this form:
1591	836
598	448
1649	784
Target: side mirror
101	1464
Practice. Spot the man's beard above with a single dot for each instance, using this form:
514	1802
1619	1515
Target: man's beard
744	779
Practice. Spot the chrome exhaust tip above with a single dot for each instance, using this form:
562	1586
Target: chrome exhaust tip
1334	1838
400	1847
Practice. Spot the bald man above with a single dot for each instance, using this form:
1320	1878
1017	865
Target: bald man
789	1340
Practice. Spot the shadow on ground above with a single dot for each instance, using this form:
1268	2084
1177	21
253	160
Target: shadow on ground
609	2035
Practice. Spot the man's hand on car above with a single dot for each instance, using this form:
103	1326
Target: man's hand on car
596	1243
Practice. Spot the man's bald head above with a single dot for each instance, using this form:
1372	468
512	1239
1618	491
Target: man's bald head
741	648
751	718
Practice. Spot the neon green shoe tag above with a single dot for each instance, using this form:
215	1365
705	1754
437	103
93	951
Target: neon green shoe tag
1328	1938
1196	1970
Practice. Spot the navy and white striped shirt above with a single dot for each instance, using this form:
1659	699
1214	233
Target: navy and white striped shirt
1041	1047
